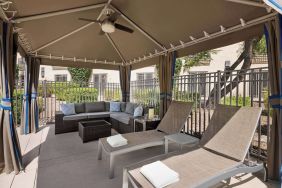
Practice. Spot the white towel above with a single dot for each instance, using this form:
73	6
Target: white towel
159	174
117	140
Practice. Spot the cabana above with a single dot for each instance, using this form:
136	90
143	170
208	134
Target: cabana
126	35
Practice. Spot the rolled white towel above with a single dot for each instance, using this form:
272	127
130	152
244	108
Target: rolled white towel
117	140
159	174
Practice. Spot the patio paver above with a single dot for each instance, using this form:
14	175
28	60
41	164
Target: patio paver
64	161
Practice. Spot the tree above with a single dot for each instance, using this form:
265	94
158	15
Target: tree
178	67
80	75
195	60
251	47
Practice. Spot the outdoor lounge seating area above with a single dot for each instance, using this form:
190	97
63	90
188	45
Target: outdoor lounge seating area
208	129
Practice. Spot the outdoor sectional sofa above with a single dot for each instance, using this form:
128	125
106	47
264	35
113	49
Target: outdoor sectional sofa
122	121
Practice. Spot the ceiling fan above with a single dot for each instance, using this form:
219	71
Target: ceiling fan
108	24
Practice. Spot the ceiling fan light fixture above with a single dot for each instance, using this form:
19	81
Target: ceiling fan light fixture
108	27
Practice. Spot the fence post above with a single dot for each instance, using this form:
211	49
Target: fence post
218	88
44	85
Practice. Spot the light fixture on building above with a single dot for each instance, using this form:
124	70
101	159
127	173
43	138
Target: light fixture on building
227	64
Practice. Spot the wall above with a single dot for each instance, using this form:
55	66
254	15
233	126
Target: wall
112	75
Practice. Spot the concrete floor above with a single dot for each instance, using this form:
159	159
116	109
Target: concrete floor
63	161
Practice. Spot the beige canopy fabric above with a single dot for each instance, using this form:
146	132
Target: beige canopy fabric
158	25
273	37
166	72
25	113
124	75
10	152
34	109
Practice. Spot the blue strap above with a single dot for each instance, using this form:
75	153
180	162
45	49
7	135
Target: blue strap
6	107
275	97
277	106
33	95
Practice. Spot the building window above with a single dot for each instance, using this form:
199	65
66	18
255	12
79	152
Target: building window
61	77
145	79
42	72
227	64
100	80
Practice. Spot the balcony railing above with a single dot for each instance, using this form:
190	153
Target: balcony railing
238	88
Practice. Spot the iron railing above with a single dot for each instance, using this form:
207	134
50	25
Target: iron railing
248	87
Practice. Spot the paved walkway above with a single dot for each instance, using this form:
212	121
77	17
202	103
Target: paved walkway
63	161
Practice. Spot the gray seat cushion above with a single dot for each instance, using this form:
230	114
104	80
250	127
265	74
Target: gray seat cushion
76	117
121	117
95	107
93	115
79	108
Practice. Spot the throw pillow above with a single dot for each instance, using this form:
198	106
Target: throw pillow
114	106
138	111
68	109
130	108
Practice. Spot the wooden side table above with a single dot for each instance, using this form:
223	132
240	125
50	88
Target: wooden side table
181	139
145	123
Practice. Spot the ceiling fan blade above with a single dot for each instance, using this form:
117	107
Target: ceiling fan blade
124	28
113	17
89	20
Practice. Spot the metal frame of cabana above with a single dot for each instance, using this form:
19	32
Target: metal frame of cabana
247	20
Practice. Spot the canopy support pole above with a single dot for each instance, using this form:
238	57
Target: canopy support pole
116	48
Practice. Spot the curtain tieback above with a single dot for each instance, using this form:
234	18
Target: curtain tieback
33	95
6	104
26	96
275	101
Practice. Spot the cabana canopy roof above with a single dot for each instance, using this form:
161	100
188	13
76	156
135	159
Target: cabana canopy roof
51	29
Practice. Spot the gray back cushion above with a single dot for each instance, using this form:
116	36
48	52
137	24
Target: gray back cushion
122	106
95	107
130	108
79	108
107	106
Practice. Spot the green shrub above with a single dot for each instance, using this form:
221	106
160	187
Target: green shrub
18	103
75	95
186	96
240	101
112	94
265	102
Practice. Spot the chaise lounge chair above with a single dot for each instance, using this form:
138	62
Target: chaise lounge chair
221	154
173	122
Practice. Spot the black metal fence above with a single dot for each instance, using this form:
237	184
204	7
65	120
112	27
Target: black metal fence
248	87
239	88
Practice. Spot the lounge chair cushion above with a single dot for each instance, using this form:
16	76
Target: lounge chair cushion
238	131
135	139
95	107
175	118
193	167
95	115
121	116
79	108
76	117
